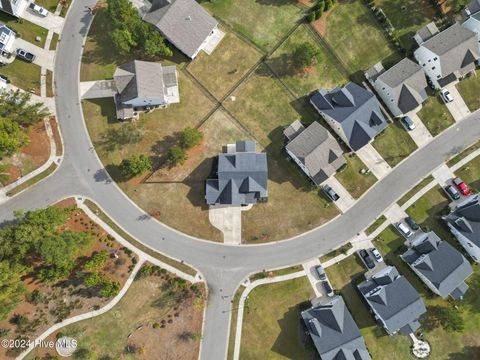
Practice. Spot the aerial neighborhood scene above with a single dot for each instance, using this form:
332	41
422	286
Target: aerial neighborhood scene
240	179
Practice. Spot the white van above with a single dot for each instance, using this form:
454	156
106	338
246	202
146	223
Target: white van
404	229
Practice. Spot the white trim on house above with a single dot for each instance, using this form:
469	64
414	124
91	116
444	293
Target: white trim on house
472	249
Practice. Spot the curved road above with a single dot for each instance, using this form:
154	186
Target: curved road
223	267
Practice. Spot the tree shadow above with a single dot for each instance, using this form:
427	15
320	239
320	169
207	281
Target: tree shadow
275	2
160	150
468	352
282	65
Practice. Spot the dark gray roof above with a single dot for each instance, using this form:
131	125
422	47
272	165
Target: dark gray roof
333	330
426	32
439	262
407	81
355	109
456	47
318	150
393	299
466	220
183	22
472	7
242	177
142	79
6	6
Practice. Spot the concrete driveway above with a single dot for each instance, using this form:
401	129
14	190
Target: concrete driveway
43	58
49	22
97	89
420	135
312	276
457	107
346	200
228	219
443	174
374	161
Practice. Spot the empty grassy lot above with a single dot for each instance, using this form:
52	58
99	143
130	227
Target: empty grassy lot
264	107
25	29
407	16
356	36
263	22
271	322
230	61
24	75
470	173
415	190
394	144
323	74
351	178
469	89
435	115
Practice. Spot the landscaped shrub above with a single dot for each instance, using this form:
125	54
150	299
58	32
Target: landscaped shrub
176	155
311	17
304	55
135	165
190	137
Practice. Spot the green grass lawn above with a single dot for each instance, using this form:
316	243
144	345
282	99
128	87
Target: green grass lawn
407	16
470	90
394	144
415	190
264	107
378	221
25	29
24	75
351	178
323	74
379	344
435	115
470	173
356	36
50	5
263	22
463	154
271	322
231	60
54	41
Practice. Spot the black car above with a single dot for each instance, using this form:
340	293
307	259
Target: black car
332	195
410	222
328	288
453	192
367	259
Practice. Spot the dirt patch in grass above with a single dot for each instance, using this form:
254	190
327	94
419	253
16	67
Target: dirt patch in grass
168	327
230	61
320	25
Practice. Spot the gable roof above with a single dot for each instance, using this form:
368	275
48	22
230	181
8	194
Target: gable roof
183	22
333	330
439	262
466	220
455	46
426	32
241	177
394	300
355	109
472	7
145	80
317	149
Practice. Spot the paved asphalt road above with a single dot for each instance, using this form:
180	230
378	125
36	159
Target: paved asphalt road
223	266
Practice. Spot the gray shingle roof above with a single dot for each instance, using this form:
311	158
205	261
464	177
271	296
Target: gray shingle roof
242	177
456	47
439	262
466	220
6	6
473	7
183	22
426	32
333	330
355	109
318	150
142	79
393	299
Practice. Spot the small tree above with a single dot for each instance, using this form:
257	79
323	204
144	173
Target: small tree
135	165
191	137
304	55
318	13
328	4
311	17
176	155
109	288
97	261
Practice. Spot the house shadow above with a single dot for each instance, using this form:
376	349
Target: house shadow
293	337
196	182
282	65
107	108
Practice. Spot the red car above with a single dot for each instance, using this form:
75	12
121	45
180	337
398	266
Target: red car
460	185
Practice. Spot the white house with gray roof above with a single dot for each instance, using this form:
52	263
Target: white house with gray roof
472	21
7	38
447	56
185	24
352	112
143	85
333	330
402	87
314	150
439	265
242	176
394	302
464	224
13	7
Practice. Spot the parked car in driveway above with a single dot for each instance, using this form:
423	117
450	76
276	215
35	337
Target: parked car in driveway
452	192
328	288
376	255
461	186
38	9
366	258
408	123
404	230
320	272
25	55
332	195
412	223
446	96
